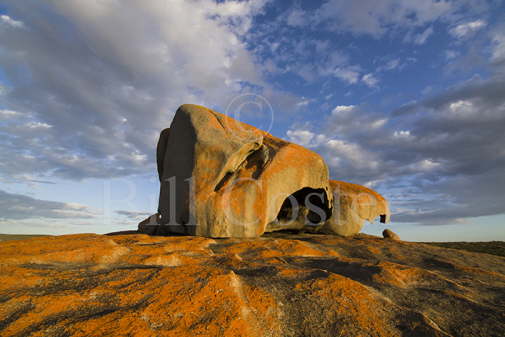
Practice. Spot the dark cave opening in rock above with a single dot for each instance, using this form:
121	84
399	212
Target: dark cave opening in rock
308	204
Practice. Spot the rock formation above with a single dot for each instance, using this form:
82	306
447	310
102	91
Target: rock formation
389	234
224	178
278	285
352	206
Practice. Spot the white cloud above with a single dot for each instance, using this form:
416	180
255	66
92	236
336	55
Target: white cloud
462	162
296	17
370	80
108	77
138	157
342	109
377	17
8	113
393	64
347	74
5	19
352	75
461	109
421	38
451	54
38	125
17	206
304	102
401	134
301	137
346	120
341	154
460	105
498	47
427	165
465	29
133	214
334	63
390	65
433	149
379	123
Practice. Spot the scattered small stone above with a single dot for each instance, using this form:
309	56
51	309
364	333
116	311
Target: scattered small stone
389	234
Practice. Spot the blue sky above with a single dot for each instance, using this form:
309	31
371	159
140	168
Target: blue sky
406	97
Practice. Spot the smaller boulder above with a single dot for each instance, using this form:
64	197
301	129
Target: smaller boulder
389	234
150	225
353	205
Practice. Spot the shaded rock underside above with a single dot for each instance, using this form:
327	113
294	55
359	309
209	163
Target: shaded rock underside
278	285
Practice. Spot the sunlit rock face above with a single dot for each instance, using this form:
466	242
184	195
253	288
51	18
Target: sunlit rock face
224	178
353	205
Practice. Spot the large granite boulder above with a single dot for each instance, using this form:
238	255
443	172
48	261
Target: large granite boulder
224	178
353	205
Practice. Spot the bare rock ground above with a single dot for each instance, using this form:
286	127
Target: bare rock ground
278	285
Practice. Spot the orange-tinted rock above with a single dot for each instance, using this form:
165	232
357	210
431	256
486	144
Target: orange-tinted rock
225	178
389	234
353	205
278	285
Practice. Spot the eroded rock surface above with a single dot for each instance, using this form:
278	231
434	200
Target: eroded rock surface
232	179
224	178
353	205
289	285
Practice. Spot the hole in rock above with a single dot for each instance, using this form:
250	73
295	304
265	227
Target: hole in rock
308	204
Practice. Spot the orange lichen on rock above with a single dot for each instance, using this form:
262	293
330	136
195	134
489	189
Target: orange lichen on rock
398	275
230	178
278	285
358	309
223	178
278	247
353	205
